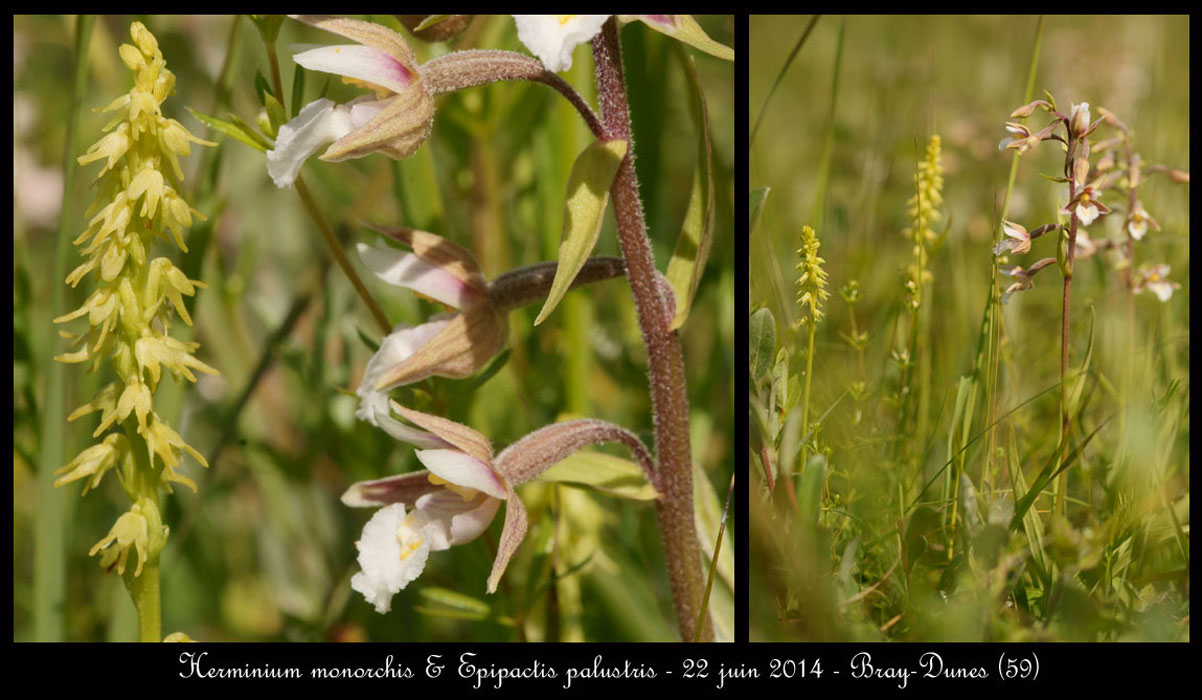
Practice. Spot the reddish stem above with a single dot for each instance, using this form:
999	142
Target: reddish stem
669	399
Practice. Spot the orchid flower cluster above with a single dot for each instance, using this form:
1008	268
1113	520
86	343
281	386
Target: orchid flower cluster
1116	169
458	494
130	313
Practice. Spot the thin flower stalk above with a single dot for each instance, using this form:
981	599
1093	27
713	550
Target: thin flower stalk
811	292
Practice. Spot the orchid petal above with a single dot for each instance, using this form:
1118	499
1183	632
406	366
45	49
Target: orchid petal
360	62
440	251
462	469
452	520
398	128
469	341
395	349
553	37
457	434
367	33
1162	289
402	269
1086	213
403	488
319	123
387	565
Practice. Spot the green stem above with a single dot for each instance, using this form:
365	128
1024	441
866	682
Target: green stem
669	398
49	581
340	257
326	233
805	403
145	591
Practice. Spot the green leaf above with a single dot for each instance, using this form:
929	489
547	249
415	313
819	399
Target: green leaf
612	476
761	332
239	132
758	197
262	88
1050	471
298	89
275	112
697	232
1076	380
1032	525
584	212
809	495
367	340
685	28
441	602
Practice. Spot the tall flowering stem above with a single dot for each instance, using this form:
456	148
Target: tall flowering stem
129	317
811	292
669	398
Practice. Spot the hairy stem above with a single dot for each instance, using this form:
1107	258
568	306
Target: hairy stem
669	398
463	69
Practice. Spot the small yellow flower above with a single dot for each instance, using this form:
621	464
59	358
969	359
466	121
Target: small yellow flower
811	283
132	530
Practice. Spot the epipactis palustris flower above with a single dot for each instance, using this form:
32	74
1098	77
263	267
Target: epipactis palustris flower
553	37
455	344
1088	202
457	496
1017	239
1138	220
1155	279
395	120
452	501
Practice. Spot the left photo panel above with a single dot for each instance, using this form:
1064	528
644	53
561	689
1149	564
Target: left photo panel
390	328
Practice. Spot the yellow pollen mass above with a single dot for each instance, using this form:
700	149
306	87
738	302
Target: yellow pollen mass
464	492
564	19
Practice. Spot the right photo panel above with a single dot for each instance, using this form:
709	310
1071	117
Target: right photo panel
969	330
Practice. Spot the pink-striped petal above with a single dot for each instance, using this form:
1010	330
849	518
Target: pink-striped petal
403	488
360	62
402	269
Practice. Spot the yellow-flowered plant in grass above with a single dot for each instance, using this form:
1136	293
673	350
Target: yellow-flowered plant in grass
811	292
129	316
923	212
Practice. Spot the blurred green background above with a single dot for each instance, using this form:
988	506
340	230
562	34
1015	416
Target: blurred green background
900	80
265	550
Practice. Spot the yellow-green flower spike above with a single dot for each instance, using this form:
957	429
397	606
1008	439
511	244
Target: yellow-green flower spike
135	298
811	283
924	212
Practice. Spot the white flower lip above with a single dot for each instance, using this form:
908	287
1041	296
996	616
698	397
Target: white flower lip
553	37
319	123
387	566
